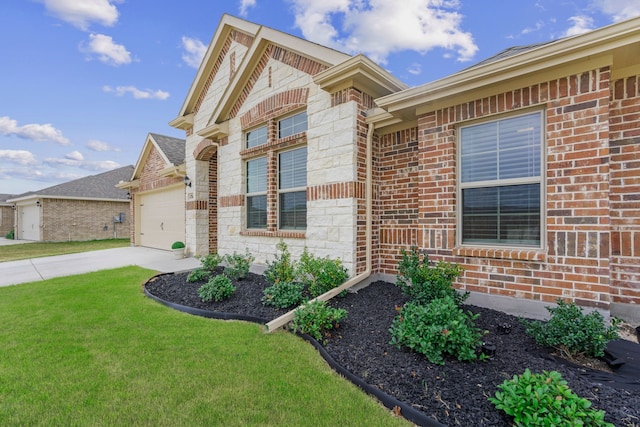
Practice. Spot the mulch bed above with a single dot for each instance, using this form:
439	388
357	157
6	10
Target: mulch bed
453	394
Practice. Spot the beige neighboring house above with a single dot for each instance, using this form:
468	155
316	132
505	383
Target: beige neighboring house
523	168
88	208
157	188
6	214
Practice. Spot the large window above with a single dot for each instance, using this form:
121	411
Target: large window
501	181
257	193
256	137
292	125
292	189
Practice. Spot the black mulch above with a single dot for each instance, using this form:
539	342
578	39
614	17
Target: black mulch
453	394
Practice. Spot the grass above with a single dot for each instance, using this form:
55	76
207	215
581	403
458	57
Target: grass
42	249
92	350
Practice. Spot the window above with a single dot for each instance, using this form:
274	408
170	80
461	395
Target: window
501	181
292	125
257	193
256	137
292	191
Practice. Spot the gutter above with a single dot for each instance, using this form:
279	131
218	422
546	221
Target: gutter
279	322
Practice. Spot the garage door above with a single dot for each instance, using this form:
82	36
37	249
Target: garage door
29	225
161	218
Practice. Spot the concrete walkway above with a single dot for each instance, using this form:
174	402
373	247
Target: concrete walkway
35	269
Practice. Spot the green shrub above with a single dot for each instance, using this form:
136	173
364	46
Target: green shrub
10	235
320	274
177	245
198	274
545	400
283	294
238	265
211	261
572	332
423	283
282	268
316	318
437	328
216	289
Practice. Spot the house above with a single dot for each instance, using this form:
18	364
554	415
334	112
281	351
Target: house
523	168
6	214
88	208
157	189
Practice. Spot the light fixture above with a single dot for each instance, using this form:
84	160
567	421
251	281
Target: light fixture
187	181
38	203
13	207
128	195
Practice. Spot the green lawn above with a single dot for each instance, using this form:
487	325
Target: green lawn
42	249
93	350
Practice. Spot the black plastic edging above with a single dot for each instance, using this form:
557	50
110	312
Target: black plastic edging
389	402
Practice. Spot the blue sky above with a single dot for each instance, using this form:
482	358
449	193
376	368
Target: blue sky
82	82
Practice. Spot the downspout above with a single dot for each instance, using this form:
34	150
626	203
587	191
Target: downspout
287	317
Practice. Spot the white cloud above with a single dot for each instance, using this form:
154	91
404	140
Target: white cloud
533	29
137	93
76	159
245	5
619	10
194	51
580	25
20	157
106	50
33	131
415	69
378	28
82	13
96	145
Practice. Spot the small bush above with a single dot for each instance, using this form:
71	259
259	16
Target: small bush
177	245
316	318
545	400
211	261
216	289
423	283
238	265
198	275
320	274
435	329
572	332
282	268
10	235
283	294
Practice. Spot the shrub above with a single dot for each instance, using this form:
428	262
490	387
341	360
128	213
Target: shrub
282	268
198	274
283	294
216	289
211	261
316	318
320	274
10	235
177	245
437	328
572	332
238	265
545	400
423	283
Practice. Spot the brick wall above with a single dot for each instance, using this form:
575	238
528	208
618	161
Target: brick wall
79	220
6	220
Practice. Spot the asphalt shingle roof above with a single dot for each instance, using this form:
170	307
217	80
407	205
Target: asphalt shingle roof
173	148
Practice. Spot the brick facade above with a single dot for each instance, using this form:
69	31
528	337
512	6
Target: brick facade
6	220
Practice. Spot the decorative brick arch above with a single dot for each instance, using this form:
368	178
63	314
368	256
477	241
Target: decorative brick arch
205	150
275	105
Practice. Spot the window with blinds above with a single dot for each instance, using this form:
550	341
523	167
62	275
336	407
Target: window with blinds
292	189
501	181
257	193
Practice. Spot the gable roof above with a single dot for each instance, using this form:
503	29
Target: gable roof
172	151
95	187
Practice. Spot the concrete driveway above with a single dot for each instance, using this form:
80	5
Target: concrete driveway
31	270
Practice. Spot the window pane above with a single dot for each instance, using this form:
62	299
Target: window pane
292	125
479	152
257	137
293	169
257	175
502	215
257	211
293	210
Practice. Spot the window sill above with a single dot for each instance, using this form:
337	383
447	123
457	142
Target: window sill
280	233
520	254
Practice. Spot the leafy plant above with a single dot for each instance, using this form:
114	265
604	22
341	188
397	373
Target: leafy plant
10	235
320	274
316	318
210	261
283	294
572	332
177	245
282	268
198	275
423	282
435	329
545	400
216	289
238	265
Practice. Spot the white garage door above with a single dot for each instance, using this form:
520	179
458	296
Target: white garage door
161	218
29	222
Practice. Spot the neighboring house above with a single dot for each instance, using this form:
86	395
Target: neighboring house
6	214
157	188
523	169
88	208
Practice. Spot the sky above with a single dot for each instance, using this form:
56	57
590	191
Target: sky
82	82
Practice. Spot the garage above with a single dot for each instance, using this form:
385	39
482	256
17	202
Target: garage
160	217
29	222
